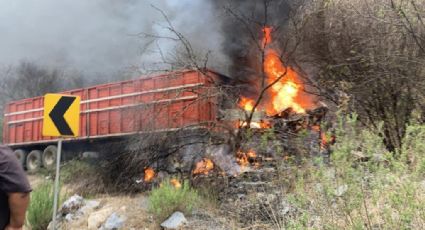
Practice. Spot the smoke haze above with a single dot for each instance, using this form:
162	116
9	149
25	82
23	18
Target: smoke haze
97	36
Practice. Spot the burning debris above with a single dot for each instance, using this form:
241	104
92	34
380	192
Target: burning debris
249	158
286	85
176	183
247	104
285	108
286	97
285	111
149	175
203	167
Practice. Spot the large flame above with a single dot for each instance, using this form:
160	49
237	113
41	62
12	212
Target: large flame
286	81
287	85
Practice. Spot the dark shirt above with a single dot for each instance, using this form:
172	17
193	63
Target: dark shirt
12	179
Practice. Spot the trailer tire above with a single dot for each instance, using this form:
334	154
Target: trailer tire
49	156
21	155
34	161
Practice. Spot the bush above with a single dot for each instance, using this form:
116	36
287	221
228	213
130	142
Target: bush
41	207
73	169
87	185
166	199
381	190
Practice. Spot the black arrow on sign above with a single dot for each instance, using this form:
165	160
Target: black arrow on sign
57	114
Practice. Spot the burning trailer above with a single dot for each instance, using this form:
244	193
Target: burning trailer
181	102
116	112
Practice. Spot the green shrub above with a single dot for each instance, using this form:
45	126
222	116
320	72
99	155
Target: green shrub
166	199
385	191
41	206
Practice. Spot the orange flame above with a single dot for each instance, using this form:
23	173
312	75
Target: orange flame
286	85
149	174
203	167
286	82
327	140
176	183
286	90
251	154
247	104
324	140
242	158
267	38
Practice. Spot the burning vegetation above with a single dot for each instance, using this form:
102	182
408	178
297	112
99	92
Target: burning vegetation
149	175
246	159
176	183
284	106
284	86
203	167
283	111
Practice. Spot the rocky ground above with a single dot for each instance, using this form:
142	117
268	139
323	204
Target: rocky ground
127	212
244	199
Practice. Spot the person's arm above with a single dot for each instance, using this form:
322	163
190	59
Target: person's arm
18	204
14	183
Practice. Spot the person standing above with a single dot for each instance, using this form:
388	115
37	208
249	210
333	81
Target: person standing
14	191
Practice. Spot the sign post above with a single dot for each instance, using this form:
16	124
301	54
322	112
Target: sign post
56	188
61	119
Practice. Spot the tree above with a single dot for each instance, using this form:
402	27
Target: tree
373	52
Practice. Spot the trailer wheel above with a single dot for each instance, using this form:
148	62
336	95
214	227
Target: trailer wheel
34	161
21	155
49	157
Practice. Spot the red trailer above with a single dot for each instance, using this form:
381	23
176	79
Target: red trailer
164	102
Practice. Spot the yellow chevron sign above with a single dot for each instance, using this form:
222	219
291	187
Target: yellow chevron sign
61	115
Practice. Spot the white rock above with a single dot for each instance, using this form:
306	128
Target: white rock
69	217
113	222
341	190
378	157
96	219
90	206
175	221
71	205
285	208
318	187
